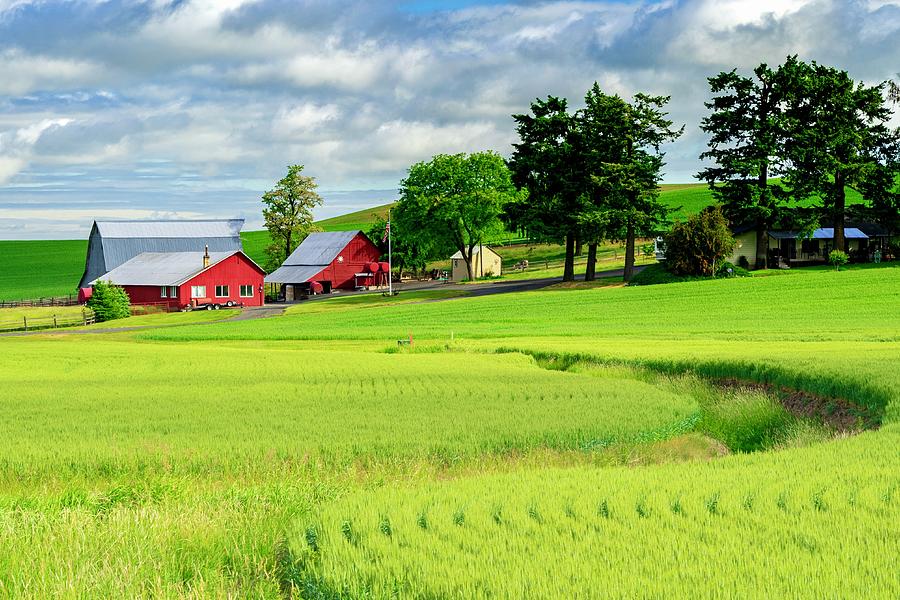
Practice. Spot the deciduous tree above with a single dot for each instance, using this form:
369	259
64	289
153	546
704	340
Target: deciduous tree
288	213
455	201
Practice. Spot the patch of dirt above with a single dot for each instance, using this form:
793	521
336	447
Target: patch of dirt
837	413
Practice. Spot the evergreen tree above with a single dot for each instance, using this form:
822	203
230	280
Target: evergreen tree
745	127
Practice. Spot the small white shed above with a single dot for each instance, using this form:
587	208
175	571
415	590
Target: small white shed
485	262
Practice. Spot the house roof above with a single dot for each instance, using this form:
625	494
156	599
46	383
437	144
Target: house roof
824	233
163	268
475	251
320	248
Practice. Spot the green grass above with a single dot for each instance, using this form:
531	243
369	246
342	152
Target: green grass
361	219
809	523
545	444
35	269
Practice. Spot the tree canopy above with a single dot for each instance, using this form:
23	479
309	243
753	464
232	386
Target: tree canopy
837	135
454	202
745	126
288	213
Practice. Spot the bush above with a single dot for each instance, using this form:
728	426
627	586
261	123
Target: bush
838	258
109	302
697	246
743	262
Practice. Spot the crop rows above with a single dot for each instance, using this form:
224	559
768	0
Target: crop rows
809	523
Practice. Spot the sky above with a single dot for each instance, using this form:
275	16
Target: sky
194	108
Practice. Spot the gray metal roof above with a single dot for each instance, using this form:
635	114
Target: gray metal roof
171	229
113	243
293	273
161	268
320	248
824	233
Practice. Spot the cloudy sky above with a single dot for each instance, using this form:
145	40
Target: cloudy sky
193	108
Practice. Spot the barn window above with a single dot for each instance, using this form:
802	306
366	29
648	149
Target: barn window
222	291
246	291
173	292
198	291
163	292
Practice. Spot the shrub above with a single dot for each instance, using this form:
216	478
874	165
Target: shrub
698	245
743	262
109	302
838	258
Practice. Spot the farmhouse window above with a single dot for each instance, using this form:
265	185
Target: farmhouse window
198	291
221	291
173	292
163	292
246	291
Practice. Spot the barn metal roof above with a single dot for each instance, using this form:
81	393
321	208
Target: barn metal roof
162	268
112	243
320	248
171	229
293	273
824	233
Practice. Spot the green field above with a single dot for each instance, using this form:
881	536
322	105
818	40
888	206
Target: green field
559	443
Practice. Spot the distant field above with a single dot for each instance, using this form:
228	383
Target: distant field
34	269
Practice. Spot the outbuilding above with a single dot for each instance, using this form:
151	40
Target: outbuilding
333	259
113	243
485	263
176	280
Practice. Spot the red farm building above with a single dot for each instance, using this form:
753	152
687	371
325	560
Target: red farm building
177	280
333	260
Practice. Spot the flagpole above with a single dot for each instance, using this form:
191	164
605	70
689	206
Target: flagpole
390	265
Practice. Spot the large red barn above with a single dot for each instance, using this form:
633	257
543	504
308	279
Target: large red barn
334	259
181	279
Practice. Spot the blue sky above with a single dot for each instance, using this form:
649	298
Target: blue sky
156	109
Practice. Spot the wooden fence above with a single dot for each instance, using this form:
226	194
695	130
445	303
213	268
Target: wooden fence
70	300
26	323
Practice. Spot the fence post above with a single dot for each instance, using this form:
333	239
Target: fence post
54	322
25	320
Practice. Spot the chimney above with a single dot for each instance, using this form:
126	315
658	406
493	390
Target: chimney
206	257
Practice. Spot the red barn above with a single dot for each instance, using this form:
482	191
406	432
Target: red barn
335	259
181	279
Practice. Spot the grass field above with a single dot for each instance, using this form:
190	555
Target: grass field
542	444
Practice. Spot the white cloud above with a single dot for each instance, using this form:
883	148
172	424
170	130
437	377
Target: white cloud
23	73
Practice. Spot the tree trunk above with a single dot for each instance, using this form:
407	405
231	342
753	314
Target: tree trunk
629	250
578	247
762	227
569	269
590	271
287	245
762	258
840	205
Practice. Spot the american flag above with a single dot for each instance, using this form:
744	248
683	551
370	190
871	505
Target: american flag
387	231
